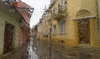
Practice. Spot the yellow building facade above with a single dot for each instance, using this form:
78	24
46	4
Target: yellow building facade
72	22
69	29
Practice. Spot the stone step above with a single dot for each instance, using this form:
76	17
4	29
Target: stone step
83	46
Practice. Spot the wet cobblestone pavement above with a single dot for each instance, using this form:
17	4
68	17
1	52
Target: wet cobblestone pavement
41	51
32	50
19	54
25	52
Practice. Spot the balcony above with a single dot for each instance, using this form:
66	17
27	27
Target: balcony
61	14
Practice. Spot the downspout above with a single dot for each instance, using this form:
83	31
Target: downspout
97	14
50	35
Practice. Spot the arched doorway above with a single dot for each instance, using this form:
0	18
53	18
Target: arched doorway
84	30
83	26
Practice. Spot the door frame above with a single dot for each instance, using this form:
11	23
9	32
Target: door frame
12	39
88	20
92	30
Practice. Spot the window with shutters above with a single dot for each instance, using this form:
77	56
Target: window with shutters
62	27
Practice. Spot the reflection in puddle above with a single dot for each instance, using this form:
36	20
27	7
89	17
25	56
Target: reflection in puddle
79	52
32	54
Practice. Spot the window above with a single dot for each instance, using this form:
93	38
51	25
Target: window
50	15
12	1
62	6
46	17
65	2
54	29
54	11
61	3
62	27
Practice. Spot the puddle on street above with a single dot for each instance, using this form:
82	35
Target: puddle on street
32	54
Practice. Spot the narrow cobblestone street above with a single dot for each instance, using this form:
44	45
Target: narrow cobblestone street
49	29
18	54
31	52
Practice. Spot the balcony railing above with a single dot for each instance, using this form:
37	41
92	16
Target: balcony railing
62	13
61	10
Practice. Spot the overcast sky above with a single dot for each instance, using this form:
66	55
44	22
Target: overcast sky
39	6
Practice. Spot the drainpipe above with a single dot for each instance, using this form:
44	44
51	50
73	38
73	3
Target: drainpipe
50	36
97	10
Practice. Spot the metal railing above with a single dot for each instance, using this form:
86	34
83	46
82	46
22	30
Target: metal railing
62	9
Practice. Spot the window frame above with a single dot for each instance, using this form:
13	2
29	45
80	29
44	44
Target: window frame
54	29
64	27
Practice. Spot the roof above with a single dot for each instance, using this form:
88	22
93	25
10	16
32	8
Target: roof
23	5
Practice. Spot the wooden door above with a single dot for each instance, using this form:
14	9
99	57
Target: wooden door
84	31
8	38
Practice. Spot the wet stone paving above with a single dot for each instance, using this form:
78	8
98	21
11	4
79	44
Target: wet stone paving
34	50
32	54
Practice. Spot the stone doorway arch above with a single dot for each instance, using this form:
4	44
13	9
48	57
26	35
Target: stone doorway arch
83	13
83	23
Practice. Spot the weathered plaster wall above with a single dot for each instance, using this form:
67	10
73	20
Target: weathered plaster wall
97	24
76	5
73	8
4	17
99	7
76	9
69	36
